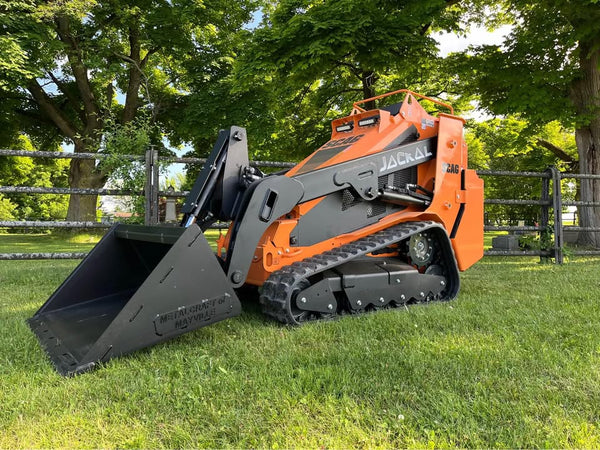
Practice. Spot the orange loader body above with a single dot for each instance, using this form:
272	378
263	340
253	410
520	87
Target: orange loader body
457	189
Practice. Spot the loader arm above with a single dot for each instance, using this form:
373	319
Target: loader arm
275	196
221	183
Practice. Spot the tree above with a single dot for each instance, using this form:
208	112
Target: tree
349	45
7	209
312	59
548	69
508	144
68	68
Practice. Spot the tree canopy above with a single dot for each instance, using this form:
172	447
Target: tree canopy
307	61
70	67
547	69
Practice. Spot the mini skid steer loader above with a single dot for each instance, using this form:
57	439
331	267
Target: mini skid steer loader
384	214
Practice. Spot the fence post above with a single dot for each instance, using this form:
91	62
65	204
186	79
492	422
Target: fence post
544	216
155	184
557	206
151	189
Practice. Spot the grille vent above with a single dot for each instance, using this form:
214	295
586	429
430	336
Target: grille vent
396	179
349	200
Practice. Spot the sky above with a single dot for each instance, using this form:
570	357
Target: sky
450	42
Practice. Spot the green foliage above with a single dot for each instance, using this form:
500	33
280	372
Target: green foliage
177	181
13	57
306	39
541	241
130	138
121	140
532	73
34	172
509	145
7	209
308	62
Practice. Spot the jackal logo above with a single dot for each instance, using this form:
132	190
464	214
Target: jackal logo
401	158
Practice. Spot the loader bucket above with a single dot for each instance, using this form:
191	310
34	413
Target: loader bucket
137	287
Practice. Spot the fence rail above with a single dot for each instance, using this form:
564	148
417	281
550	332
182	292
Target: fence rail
550	199
101	156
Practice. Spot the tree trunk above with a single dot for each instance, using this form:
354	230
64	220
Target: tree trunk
83	174
368	80
586	97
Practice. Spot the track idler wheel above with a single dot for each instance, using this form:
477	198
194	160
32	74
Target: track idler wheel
421	249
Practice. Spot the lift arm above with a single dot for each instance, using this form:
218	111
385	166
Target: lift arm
219	187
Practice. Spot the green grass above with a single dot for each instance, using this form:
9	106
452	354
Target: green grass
513	362
59	242
50	243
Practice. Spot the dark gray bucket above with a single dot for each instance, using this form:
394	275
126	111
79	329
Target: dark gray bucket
137	287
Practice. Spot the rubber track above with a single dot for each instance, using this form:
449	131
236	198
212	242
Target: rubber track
277	289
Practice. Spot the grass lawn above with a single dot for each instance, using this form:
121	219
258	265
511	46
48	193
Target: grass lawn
513	362
60	242
51	243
